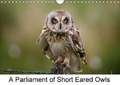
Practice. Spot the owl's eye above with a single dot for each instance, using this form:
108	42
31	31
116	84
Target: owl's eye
66	21
54	21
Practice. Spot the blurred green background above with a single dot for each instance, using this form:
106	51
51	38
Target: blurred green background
21	23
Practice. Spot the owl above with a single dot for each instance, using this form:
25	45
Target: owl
61	43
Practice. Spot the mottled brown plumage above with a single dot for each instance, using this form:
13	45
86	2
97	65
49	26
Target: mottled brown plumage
61	42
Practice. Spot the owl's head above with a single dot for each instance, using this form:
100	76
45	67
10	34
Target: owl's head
59	21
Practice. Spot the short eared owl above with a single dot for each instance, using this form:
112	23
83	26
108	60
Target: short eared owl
61	42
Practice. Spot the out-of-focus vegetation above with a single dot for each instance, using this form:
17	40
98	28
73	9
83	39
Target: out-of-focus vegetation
21	23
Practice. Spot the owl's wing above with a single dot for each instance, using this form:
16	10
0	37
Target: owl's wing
42	41
78	45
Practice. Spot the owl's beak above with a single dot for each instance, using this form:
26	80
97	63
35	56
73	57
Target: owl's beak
60	26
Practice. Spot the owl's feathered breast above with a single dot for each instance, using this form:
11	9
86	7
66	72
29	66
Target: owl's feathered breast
58	43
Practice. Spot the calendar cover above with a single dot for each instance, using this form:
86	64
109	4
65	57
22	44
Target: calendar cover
59	36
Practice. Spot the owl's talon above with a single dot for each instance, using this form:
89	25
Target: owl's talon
59	60
66	61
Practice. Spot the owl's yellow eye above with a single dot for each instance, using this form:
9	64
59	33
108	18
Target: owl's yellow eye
66	21
54	21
